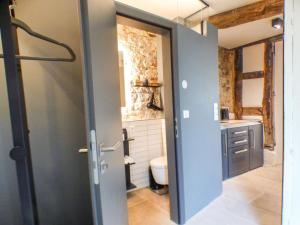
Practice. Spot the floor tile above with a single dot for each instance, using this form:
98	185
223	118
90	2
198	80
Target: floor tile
253	198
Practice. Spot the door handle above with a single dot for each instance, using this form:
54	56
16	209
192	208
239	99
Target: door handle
115	147
241	151
239	142
83	150
240	132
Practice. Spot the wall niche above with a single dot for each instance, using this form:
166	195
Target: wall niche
141	53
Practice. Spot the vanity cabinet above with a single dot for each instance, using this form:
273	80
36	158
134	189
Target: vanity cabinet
242	149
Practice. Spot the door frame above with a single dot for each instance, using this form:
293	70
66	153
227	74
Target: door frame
291	157
174	159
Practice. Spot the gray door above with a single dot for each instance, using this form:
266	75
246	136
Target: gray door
200	162
99	35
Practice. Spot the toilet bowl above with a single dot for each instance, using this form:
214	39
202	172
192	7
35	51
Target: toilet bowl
159	168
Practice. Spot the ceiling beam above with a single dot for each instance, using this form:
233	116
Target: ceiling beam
256	11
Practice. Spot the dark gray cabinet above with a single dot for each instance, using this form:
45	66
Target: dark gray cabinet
238	160
224	154
256	146
242	149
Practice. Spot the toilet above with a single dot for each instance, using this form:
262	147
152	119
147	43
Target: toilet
159	168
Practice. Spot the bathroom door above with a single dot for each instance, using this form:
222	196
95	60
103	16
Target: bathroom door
102	97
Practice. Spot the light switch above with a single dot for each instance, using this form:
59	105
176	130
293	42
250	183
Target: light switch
216	111
186	114
184	84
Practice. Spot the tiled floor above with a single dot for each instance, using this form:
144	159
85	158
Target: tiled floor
253	198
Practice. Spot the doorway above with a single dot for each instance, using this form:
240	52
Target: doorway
147	119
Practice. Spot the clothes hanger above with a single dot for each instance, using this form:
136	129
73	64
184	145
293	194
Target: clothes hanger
20	24
151	104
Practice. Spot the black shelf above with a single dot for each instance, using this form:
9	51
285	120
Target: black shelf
126	141
148	86
130	186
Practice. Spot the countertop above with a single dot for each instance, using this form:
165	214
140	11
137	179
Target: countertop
237	123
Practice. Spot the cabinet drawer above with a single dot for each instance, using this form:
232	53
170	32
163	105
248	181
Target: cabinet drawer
239	160
238	132
238	141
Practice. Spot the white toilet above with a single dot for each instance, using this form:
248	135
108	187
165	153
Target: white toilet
159	168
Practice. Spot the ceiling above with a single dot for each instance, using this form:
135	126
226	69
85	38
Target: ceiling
229	38
247	33
171	9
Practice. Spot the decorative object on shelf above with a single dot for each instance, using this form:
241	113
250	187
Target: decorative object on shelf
145	82
138	83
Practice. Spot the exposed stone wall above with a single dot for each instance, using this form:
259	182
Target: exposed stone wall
227	77
141	48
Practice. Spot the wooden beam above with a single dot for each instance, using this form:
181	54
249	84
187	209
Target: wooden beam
253	75
252	111
248	13
238	107
268	106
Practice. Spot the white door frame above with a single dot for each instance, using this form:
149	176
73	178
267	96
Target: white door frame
291	184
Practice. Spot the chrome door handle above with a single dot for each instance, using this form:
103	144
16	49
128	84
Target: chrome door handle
240	132
115	147
241	151
83	150
239	142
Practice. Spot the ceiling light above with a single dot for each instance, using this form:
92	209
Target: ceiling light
277	23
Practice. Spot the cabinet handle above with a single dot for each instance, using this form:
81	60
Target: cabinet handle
226	145
241	151
240	132
254	144
239	142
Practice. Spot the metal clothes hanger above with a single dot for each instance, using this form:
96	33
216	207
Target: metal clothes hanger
20	24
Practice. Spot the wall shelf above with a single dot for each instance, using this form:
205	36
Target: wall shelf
148	86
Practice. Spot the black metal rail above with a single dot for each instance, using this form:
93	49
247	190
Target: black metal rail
21	151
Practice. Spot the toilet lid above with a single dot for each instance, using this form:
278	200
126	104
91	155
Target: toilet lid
160	162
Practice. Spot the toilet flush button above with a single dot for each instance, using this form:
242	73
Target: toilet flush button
186	114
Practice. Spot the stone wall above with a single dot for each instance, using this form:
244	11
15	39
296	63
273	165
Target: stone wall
140	49
227	77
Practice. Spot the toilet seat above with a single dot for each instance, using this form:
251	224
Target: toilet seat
160	162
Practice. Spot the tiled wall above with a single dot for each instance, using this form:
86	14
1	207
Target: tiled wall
148	144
